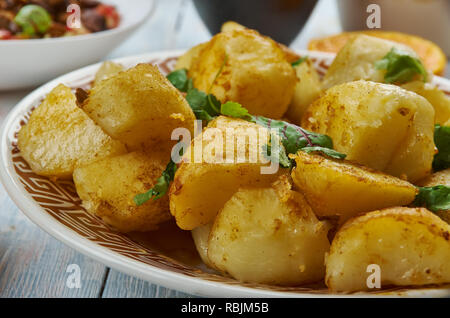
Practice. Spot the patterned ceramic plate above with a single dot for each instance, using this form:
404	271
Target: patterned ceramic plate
166	257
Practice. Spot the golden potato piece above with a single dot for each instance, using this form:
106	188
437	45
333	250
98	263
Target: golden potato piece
59	137
289	54
200	235
264	236
107	70
380	126
356	60
338	187
410	246
139	107
108	187
435	96
185	60
245	67
307	90
201	187
432	55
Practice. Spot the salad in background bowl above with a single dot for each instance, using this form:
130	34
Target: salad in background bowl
42	56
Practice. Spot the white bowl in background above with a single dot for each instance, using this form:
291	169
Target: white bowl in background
27	63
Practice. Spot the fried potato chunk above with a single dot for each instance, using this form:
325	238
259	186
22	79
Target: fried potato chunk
139	107
245	67
200	235
107	70
203	185
377	125
108	187
307	90
269	236
185	60
338	187
411	246
435	96
59	137
356	60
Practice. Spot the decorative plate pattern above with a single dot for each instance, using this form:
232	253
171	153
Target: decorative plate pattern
39	197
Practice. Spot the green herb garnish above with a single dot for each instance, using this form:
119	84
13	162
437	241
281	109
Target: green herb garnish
435	198
282	157
325	151
442	140
33	20
299	61
235	110
180	80
400	67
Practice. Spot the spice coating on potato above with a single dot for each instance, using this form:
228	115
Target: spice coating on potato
59	137
378	125
108	187
107	69
139	107
245	67
338	187
437	98
356	60
200	188
410	245
263	236
307	90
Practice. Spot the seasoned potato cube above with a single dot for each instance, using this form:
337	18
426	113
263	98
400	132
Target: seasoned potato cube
337	187
185	60
307	90
269	236
435	96
200	236
289	54
381	126
59	137
201	187
139	107
356	60
410	246
245	67
107	70
108	187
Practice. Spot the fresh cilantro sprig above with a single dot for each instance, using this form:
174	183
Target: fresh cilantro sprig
401	67
161	187
180	80
442	141
299	61
435	198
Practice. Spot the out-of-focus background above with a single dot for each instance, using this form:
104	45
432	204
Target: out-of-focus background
33	264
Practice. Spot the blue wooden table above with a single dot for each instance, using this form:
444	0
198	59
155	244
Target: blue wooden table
32	263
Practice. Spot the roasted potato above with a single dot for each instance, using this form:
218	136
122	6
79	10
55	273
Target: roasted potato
245	67
59	137
338	187
108	187
289	54
269	236
381	126
139	107
435	96
201	187
411	246
200	235
307	90
107	70
185	60
356	60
